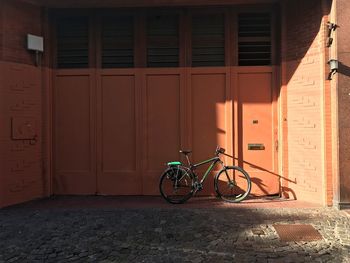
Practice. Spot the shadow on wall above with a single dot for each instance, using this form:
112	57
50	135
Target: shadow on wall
302	107
208	123
301	57
286	191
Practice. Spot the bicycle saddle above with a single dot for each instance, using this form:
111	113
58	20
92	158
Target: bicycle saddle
185	152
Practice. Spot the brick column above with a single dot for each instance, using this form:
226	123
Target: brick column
21	157
342	47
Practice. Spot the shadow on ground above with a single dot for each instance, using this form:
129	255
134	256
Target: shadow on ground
48	231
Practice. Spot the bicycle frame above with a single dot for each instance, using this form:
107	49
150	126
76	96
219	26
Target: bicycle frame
213	161
186	183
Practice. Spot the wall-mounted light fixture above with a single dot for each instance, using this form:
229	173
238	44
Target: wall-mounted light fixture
333	66
331	27
35	43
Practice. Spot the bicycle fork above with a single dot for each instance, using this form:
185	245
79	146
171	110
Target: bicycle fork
232	183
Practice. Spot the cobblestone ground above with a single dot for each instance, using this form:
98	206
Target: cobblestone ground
168	235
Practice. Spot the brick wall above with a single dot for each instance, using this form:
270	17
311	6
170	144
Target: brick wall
19	19
20	105
304	96
304	90
329	165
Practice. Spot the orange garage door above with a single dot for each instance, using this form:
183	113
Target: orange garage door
114	132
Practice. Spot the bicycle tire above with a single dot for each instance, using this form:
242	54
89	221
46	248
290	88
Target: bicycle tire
176	185
232	184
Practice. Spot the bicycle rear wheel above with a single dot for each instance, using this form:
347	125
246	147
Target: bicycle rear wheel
176	185
232	184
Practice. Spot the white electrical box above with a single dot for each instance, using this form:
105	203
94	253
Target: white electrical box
35	43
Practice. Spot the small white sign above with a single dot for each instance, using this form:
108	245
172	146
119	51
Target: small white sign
35	43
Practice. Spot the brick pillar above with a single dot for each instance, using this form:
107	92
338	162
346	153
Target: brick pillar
303	95
342	47
21	157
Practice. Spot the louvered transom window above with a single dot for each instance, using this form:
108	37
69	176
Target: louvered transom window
163	41
254	39
169	38
117	42
208	40
73	42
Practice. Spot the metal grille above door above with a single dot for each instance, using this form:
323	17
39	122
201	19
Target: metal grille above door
163	41
208	40
254	39
72	42
117	42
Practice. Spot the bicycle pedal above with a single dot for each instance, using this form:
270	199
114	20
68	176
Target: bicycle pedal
198	186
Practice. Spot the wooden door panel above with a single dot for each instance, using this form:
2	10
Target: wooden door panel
162	127
117	136
208	119
142	124
74	136
255	129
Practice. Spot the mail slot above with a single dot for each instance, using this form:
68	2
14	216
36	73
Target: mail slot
256	146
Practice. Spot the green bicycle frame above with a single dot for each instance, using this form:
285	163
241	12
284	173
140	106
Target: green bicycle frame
214	161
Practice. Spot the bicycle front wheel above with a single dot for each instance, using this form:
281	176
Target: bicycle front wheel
176	185
232	184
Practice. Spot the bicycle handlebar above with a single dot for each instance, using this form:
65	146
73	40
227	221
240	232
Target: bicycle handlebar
219	150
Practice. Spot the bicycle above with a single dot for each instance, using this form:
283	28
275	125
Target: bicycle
179	183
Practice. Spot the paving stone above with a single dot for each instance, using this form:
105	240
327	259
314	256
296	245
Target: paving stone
168	235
